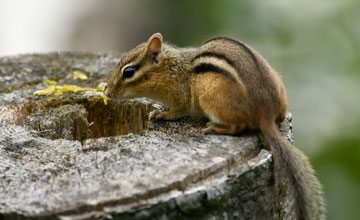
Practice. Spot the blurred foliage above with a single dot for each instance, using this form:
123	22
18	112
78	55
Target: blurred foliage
315	45
338	168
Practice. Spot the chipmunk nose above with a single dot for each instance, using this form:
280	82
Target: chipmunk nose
106	93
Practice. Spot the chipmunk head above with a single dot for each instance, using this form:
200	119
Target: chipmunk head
138	71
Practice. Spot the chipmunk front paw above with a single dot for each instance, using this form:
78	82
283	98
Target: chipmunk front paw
164	115
154	114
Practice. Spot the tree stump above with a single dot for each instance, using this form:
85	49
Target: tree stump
69	153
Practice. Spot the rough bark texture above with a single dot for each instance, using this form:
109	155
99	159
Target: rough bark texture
71	156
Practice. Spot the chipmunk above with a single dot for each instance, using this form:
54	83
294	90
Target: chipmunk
232	85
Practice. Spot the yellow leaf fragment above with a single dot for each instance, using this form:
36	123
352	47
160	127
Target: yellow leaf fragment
49	82
105	98
101	86
99	89
69	88
48	91
59	90
79	75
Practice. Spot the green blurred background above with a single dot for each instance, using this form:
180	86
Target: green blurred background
315	45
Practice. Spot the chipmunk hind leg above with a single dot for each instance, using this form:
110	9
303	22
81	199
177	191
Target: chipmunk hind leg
224	109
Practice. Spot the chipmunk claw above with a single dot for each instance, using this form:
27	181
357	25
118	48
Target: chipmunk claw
154	114
209	129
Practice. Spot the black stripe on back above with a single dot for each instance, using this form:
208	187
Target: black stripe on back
217	55
207	67
240	44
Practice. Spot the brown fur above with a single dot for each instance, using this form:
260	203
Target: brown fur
231	84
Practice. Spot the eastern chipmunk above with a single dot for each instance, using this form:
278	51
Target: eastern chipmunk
231	84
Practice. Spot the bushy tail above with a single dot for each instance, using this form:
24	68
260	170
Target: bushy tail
295	179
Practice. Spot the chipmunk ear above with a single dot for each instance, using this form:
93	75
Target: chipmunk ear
154	44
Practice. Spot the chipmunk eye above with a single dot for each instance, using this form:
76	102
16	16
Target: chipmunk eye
129	72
